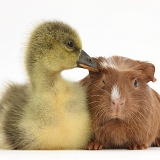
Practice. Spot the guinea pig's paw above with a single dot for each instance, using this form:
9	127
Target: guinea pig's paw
157	142
138	146
94	146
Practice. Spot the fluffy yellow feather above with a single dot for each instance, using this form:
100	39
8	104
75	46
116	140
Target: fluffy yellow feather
48	112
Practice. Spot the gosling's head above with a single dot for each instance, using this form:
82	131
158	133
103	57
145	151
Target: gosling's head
55	46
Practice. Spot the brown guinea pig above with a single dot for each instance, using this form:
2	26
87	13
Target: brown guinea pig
125	110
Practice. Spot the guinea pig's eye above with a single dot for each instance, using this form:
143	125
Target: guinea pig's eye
136	83
103	81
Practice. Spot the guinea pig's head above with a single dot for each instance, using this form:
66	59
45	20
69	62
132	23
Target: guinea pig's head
120	90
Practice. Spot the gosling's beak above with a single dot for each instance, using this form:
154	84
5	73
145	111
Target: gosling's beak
85	61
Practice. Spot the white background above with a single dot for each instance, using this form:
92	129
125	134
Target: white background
128	28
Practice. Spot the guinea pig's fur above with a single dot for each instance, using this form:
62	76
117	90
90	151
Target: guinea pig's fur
125	110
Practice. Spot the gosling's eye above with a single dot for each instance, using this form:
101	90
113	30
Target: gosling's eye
136	83
70	44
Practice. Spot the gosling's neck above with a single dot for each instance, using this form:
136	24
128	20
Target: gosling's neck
42	79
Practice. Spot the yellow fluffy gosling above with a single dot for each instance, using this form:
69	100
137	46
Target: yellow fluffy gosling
48	112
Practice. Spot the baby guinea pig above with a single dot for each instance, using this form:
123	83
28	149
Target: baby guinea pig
125	110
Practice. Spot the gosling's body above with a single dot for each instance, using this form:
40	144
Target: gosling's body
55	119
48	112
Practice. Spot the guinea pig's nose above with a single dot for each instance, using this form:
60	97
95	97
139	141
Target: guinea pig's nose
117	105
118	102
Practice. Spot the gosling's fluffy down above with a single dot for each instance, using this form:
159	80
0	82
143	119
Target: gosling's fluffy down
48	112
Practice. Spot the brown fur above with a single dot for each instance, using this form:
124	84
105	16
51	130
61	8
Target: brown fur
137	124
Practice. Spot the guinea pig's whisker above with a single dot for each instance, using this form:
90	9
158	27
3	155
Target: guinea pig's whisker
147	110
134	115
96	116
104	117
133	119
95	95
144	118
138	121
100	113
103	114
142	99
99	108
93	102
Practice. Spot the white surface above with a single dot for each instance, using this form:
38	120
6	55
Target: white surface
107	27
150	154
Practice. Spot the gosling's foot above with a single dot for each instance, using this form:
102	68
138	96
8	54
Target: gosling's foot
94	146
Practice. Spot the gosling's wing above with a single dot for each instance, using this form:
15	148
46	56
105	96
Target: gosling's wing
13	100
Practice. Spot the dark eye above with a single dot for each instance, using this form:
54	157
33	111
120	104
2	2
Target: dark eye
70	44
103	81
136	83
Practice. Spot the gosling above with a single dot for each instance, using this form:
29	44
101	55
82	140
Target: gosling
48	112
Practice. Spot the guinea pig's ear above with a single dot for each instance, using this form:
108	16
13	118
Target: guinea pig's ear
93	74
147	71
98	60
